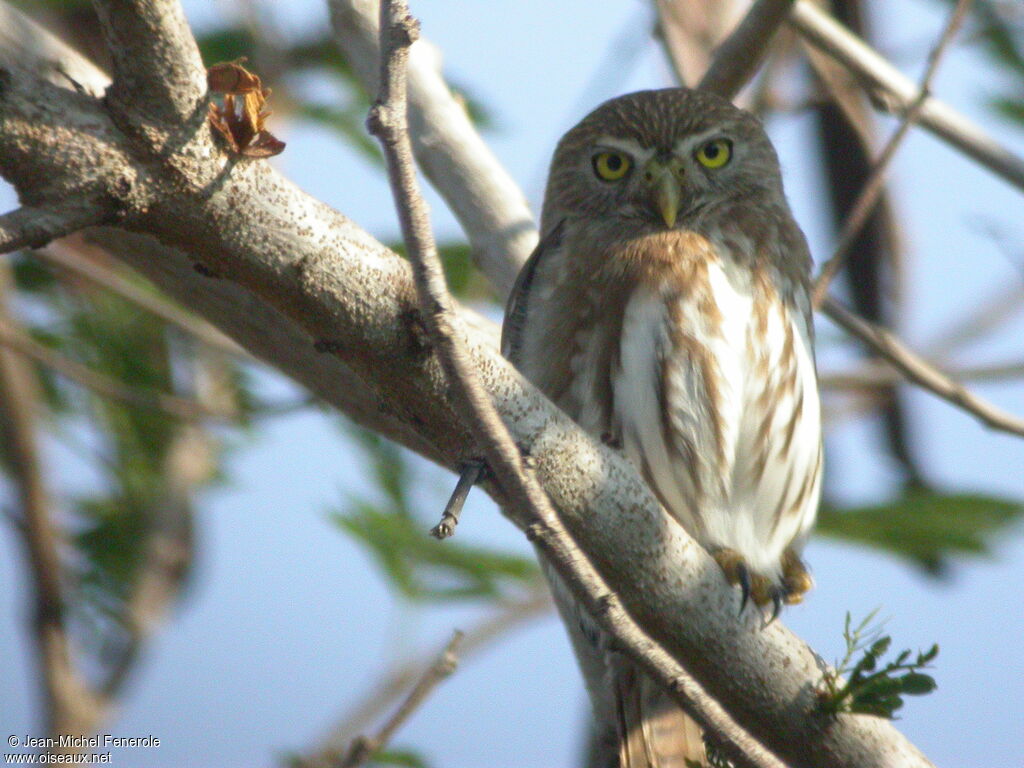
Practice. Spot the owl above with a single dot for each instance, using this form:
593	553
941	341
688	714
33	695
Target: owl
666	309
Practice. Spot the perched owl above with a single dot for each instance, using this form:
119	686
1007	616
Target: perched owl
666	310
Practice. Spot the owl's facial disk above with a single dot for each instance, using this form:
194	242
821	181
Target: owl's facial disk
659	183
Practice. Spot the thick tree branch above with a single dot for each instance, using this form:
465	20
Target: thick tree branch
159	80
894	91
342	289
484	198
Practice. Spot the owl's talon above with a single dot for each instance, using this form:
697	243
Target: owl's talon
796	581
778	595
743	574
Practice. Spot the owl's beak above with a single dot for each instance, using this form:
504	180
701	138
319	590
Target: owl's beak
666	192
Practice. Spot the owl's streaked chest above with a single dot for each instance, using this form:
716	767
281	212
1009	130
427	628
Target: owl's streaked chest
700	366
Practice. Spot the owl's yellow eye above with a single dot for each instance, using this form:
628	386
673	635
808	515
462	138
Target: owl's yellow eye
611	166
715	153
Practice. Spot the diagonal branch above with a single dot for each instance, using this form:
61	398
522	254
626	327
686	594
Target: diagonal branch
740	55
875	185
531	508
483	196
363	748
919	371
895	92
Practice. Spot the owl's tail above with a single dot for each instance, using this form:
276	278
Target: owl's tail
653	732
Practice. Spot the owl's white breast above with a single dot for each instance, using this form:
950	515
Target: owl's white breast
739	462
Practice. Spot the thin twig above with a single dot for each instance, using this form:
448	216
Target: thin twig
363	748
896	92
469	477
396	680
875	184
172	405
29	227
527	504
741	53
879	374
70	258
918	371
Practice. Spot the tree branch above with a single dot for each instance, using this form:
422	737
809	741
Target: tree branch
484	198
29	227
741	53
362	748
894	92
397	679
331	281
159	79
919	371
875	185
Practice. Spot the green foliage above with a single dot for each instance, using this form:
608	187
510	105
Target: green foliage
418	567
127	446
405	757
869	690
925	526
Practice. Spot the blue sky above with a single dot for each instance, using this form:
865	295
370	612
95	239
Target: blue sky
287	620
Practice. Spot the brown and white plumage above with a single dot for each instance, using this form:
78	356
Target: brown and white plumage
666	309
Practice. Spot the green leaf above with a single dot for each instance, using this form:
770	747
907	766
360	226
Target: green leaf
917	683
926	527
423	569
405	757
226	45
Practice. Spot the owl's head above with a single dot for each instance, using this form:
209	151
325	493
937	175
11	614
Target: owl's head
661	159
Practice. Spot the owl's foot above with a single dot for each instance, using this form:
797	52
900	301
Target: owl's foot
796	581
795	578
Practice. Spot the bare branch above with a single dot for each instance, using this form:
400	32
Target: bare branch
893	90
397	679
159	79
918	371
690	30
741	53
29	227
484	198
172	405
875	185
363	748
531	507
879	374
